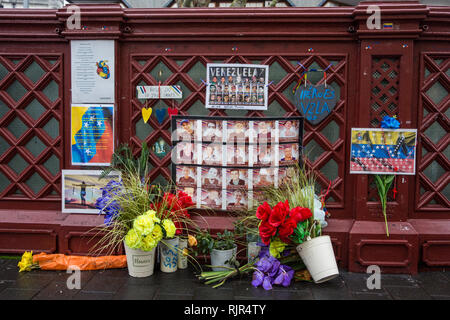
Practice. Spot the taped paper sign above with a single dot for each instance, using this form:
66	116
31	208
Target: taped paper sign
159	92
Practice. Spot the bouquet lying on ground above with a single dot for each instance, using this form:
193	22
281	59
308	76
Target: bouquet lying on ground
46	261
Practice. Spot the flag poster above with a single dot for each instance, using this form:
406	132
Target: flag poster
237	86
92	134
383	151
226	163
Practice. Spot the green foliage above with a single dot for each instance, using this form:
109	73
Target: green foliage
384	183
222	241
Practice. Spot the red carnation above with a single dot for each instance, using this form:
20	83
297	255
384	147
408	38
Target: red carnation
185	200
279	213
300	214
266	231
286	229
263	211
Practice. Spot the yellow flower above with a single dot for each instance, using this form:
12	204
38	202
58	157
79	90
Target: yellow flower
152	215
185	252
276	247
170	228
192	241
26	262
148	243
133	239
157	232
144	224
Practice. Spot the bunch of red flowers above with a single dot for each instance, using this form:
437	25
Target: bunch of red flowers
280	221
175	208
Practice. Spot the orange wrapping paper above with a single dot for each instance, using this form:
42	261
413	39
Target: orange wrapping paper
62	262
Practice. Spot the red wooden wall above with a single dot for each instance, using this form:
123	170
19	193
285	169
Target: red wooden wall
401	71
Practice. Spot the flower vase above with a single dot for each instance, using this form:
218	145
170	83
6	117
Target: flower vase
140	263
182	259
169	255
222	258
318	256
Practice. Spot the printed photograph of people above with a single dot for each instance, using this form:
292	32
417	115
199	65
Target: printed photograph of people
212	177
237	178
186	130
186	153
211	131
262	177
236	199
211	198
186	176
285	175
263	155
288	130
237	155
237	131
212	154
288	153
264	131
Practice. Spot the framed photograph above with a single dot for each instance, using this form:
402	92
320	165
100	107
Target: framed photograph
82	188
212	131
288	130
236	178
264	131
237	86
237	131
383	151
236	199
263	177
288	153
211	177
186	176
186	153
237	155
211	198
264	155
186	130
92	131
212	154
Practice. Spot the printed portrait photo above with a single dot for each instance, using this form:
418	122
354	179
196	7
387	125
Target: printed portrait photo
288	153
192	192
212	177
211	131
186	154
237	131
237	178
288	130
212	154
186	130
263	155
264	131
285	175
263	177
236	199
237	155
211	198
186	176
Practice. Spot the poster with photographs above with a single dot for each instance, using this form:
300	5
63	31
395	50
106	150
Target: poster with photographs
237	86
224	163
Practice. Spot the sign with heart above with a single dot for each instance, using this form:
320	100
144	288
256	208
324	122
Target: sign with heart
146	113
172	111
160	115
315	103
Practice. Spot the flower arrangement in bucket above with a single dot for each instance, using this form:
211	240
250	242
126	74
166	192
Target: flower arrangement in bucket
139	214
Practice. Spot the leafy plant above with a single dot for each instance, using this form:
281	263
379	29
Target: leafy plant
222	241
384	183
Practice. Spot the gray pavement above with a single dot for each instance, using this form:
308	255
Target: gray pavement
116	284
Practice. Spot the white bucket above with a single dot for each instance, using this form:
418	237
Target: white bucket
140	263
318	256
182	259
169	255
219	257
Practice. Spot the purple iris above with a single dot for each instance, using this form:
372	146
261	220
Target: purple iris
270	271
105	203
390	123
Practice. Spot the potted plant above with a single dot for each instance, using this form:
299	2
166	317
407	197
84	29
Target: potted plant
139	214
222	248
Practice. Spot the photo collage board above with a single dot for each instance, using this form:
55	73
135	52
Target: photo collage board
224	163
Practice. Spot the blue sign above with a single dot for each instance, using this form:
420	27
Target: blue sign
315	103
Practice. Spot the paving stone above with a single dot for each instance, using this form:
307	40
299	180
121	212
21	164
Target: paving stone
434	283
322	293
85	276
184	287
87	295
113	273
209	293
436	297
104	284
245	289
18	294
28	281
4	284
370	296
408	293
134	292
396	280
292	294
56	290
172	297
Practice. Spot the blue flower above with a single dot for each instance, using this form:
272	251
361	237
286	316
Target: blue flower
390	123
106	204
270	271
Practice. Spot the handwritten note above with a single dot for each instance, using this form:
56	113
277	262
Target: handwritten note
315	103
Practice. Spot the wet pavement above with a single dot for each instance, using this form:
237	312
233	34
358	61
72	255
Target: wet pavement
116	284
